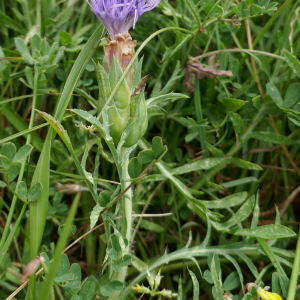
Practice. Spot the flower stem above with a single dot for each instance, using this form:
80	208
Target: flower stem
126	220
126	201
294	277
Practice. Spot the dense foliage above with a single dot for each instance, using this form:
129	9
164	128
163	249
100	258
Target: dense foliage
172	172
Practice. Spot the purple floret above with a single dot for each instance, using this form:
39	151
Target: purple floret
119	16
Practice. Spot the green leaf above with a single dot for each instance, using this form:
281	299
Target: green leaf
60	260
232	104
6	163
269	232
157	146
35	43
29	75
151	226
284	284
51	68
236	265
104	198
161	98
48	22
117	285
22	190
293	62
2	184
231	282
194	11
88	289
72	285
73	229
88	97
237	122
274	93
95	215
146	156
242	214
106	290
46	258
196	286
22	48
245	164
122	242
182	188
134	168
215	274
207	276
292	95
295	120
213	150
125	261
64	265
229	201
64	277
13	171
65	38
55	124
271	137
35	192
75	268
9	150
22	153
202	164
5	20
180	293
38	209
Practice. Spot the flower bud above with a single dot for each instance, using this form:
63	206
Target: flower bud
127	106
165	293
157	280
150	279
141	289
31	268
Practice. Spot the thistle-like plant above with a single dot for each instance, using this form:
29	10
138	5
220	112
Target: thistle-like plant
128	105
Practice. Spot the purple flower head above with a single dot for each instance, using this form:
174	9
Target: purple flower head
119	16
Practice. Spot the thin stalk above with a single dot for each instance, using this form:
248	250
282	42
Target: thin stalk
263	272
239	50
177	215
199	117
20	178
12	234
126	200
294	277
272	256
38	17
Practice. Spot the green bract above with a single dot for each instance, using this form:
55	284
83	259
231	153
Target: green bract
128	106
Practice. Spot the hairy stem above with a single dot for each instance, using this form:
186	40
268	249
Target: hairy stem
127	218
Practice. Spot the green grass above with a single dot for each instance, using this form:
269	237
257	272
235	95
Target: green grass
233	139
